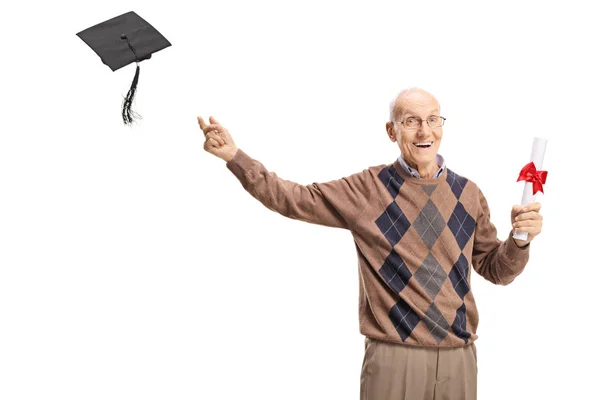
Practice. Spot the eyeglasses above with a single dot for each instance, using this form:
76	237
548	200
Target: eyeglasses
434	121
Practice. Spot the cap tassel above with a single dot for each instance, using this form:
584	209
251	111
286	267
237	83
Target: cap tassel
128	114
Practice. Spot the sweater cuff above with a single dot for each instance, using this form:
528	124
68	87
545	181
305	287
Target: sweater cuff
514	252
240	164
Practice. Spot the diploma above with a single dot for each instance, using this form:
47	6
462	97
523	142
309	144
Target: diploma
533	177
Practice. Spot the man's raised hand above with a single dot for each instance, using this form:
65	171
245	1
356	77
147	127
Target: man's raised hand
218	140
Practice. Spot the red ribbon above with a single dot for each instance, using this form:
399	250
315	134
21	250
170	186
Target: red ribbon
530	174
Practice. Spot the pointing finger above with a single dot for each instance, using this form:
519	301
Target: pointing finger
213	120
201	123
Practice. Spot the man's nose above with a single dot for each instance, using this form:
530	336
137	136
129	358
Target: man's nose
424	130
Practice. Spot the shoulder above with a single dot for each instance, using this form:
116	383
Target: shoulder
373	173
384	170
386	177
460	183
467	192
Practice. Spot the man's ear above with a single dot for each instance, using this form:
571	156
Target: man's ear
389	127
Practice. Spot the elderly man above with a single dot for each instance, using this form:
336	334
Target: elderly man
418	228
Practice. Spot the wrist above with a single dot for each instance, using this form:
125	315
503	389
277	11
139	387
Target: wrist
520	243
229	157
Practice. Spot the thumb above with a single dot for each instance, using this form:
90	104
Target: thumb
516	210
213	120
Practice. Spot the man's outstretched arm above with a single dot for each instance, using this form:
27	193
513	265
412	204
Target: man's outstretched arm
336	203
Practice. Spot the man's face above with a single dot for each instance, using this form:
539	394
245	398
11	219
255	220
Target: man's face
419	146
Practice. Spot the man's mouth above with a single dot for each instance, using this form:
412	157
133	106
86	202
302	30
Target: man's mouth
423	145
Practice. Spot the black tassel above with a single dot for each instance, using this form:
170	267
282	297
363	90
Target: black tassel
128	114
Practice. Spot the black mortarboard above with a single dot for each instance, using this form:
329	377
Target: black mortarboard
121	41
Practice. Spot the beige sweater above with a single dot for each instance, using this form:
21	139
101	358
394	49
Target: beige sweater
416	240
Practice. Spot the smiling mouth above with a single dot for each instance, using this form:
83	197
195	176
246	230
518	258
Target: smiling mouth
423	145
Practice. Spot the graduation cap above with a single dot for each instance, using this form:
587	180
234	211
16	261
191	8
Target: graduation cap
121	41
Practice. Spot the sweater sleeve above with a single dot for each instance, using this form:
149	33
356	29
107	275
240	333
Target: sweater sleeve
336	203
500	262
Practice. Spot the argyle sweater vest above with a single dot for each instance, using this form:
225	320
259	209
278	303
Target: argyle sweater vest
417	241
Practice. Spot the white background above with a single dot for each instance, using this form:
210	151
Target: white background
133	265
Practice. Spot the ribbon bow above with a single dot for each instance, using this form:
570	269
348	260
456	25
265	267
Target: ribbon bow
530	174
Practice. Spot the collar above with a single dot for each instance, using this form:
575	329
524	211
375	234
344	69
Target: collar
414	173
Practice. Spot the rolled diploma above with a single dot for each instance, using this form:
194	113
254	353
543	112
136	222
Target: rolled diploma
537	156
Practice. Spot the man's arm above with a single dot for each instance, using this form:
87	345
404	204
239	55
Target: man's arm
336	203
497	261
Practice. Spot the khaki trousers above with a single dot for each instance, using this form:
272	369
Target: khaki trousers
398	372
